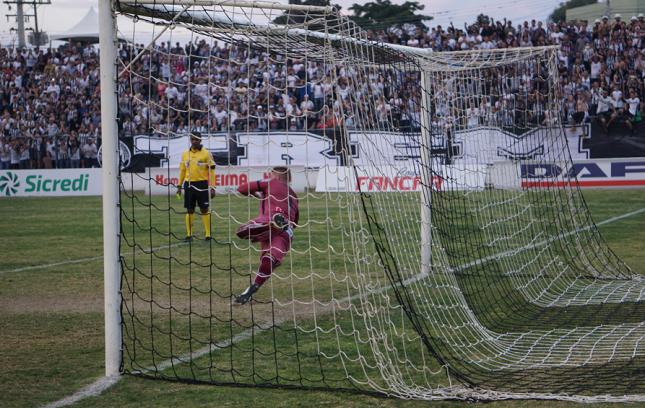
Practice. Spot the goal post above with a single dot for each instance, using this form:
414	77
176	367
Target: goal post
425	168
110	180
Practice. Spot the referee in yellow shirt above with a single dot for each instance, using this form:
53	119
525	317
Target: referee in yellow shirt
197	179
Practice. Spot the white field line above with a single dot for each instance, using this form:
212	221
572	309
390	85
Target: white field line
104	383
81	260
97	258
546	241
92	390
620	217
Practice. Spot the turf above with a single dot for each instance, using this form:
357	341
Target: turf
51	316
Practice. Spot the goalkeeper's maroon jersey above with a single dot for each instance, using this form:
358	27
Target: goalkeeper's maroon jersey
276	197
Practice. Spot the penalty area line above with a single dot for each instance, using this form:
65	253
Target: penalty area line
92	390
620	217
99	386
80	260
97	258
51	265
496	256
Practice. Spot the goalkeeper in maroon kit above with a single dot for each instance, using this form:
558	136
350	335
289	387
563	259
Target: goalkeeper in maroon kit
273	228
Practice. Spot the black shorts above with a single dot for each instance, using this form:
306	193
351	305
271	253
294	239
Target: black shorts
606	115
196	194
578	117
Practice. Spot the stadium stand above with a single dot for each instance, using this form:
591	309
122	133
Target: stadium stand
50	119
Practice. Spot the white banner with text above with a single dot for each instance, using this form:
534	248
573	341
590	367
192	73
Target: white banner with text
594	173
228	178
399	179
50	182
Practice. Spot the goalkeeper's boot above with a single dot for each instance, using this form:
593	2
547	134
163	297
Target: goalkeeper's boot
188	239
245	296
279	222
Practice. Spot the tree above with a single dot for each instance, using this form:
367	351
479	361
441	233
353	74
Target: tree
384	14
296	17
483	19
560	13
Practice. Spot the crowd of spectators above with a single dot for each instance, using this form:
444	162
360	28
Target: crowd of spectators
601	67
50	110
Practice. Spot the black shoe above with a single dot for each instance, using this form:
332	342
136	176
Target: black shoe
246	295
208	238
188	239
279	222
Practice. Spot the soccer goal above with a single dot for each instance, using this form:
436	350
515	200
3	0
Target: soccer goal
384	219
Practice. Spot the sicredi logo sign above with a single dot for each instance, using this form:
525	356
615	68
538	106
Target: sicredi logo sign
63	182
9	184
38	183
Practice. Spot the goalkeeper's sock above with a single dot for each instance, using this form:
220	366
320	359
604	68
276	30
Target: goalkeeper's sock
189	224
206	220
264	271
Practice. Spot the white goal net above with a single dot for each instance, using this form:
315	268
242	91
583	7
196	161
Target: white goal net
435	243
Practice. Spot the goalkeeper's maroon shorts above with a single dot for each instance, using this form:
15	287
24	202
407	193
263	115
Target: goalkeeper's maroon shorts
273	242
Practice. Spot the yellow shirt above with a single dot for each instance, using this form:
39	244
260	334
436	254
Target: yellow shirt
197	165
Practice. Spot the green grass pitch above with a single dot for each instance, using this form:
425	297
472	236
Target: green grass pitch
51	301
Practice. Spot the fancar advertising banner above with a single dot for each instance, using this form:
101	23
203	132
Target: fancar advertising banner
399	179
